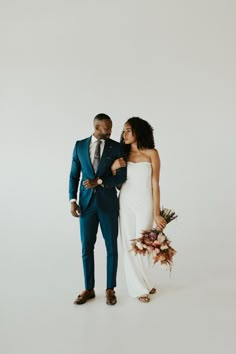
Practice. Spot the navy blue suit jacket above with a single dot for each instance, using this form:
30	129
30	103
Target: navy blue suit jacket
82	169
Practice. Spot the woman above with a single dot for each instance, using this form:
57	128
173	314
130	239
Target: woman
139	202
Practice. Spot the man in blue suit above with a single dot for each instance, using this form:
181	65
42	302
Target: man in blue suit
98	202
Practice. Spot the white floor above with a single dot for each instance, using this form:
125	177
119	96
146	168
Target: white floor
193	312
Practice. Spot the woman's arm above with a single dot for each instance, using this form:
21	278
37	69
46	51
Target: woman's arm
118	163
156	164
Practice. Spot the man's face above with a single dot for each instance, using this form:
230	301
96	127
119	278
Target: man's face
103	128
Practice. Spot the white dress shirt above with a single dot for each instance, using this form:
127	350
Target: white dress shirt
92	147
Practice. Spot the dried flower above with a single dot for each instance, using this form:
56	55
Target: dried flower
139	245
155	243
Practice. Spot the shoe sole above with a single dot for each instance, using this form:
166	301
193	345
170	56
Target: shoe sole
109	303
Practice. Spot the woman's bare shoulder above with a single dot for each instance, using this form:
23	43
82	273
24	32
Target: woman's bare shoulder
152	153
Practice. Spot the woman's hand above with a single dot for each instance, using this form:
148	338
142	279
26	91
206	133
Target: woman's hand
118	163
160	222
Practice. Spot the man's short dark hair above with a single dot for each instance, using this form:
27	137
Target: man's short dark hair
102	116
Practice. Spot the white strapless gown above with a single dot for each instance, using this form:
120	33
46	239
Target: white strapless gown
136	215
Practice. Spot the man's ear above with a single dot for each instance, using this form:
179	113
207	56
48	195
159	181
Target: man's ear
96	125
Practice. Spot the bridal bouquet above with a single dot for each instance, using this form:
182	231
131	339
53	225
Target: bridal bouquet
155	242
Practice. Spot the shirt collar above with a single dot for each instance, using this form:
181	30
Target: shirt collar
93	140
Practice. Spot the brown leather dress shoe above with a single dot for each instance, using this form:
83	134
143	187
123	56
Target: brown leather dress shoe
110	297
84	296
153	291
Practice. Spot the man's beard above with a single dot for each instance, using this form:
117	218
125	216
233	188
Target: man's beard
105	137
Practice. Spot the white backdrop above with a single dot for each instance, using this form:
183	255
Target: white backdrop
169	62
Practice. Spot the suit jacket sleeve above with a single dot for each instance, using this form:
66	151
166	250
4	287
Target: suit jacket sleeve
118	179
74	174
120	176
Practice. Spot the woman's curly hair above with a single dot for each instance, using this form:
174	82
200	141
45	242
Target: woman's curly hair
143	132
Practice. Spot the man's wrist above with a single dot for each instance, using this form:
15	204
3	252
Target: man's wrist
100	182
73	200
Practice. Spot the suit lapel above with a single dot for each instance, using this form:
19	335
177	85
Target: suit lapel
87	154
105	155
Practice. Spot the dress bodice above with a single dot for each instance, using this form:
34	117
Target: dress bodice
138	175
137	189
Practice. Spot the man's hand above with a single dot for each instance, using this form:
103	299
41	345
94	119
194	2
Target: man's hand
75	209
90	183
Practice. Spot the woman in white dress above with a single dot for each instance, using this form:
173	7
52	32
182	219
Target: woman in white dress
139	202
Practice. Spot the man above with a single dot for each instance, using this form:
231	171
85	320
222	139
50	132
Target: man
98	203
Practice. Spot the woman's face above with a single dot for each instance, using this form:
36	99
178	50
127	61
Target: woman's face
128	135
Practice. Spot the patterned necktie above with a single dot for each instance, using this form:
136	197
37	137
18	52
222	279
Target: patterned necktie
96	158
